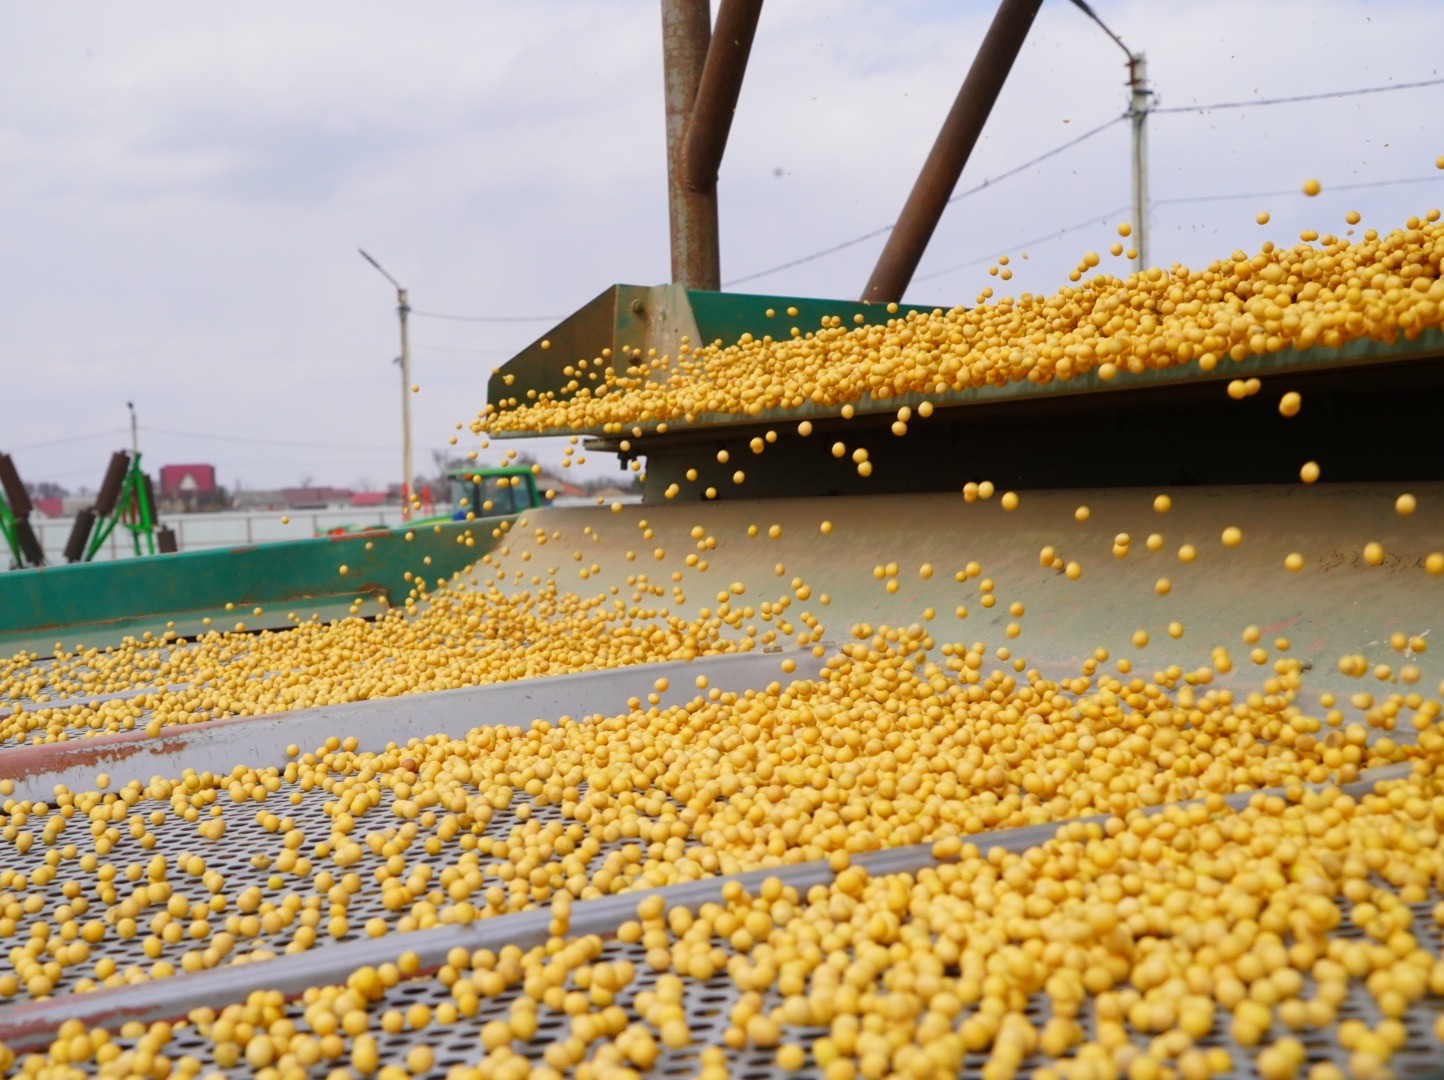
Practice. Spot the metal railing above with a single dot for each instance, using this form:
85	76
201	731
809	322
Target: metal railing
230	528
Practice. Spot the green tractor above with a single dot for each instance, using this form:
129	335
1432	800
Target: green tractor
480	491
490	491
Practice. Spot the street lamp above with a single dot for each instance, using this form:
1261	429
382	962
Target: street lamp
1138	103
402	310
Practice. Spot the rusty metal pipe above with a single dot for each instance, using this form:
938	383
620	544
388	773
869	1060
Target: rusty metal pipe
719	89
686	34
939	175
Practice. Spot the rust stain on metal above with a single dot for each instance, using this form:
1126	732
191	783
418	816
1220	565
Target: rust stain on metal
21	763
24	762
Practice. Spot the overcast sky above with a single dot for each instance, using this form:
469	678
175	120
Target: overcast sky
184	186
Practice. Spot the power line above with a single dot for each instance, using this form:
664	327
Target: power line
1258	102
1039	159
486	318
809	258
452	349
1057	234
1187	199
73	439
210	436
1326	95
1024	167
1363	185
1179	201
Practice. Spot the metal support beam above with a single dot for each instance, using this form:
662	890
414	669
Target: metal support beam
720	87
939	175
686	34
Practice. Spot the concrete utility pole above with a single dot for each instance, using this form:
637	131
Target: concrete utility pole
403	309
1138	114
134	429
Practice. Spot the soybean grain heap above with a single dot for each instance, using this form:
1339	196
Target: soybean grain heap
1219	933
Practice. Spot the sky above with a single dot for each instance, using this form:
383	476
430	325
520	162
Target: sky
184	186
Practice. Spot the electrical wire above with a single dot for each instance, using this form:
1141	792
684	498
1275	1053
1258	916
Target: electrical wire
1179	201
486	318
1183	200
1294	99
453	349
1057	234
1361	186
1024	167
808	258
73	439
211	436
1039	159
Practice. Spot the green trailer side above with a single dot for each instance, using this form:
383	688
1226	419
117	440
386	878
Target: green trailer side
99	604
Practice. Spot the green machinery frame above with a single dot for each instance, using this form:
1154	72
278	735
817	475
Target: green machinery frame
15	507
125	499
8	525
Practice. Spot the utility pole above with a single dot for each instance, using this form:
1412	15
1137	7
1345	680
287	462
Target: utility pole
1138	113
408	474
134	436
403	309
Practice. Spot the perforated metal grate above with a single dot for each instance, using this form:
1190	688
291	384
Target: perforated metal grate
241	858
235	858
708	1005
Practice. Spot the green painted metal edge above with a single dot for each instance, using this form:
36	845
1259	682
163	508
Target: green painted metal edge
658	319
620	317
726	317
101	603
729	315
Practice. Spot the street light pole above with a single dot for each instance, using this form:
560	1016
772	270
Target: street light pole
1138	113
403	309
1138	102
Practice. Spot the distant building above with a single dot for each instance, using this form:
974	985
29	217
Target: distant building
261	499
316	498
189	487
367	499
187	482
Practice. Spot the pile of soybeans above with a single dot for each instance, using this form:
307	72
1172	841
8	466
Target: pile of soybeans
1326	291
1170	923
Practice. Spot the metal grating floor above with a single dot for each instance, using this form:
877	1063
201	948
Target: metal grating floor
241	858
233	857
708	1004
